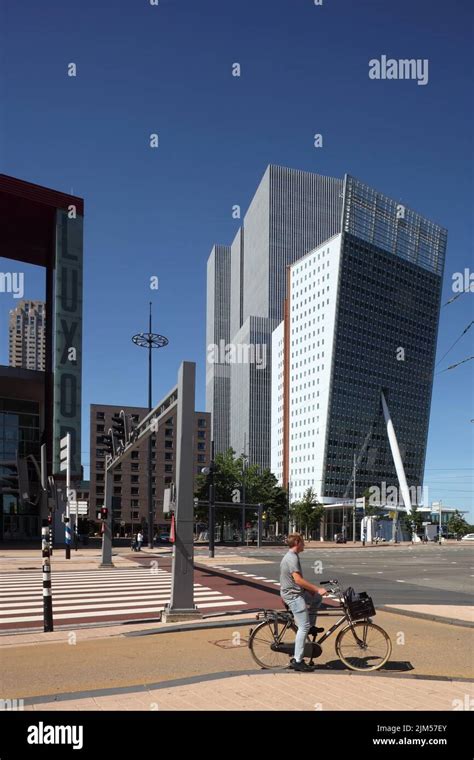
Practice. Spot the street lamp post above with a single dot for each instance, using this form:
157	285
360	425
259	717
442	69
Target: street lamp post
244	493
150	340
354	507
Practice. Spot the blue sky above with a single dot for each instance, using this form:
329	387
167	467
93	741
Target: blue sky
167	69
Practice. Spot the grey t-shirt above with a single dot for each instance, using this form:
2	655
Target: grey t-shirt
290	590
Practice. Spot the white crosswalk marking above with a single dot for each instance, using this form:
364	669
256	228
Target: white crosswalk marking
97	594
249	575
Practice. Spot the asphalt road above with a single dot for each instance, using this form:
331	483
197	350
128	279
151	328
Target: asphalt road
420	574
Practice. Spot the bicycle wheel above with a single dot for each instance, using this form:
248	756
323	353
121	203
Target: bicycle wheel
263	640
364	646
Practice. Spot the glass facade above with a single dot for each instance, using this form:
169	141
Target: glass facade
385	339
19	435
375	218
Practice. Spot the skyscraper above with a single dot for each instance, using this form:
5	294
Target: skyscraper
291	212
27	335
217	330
353	359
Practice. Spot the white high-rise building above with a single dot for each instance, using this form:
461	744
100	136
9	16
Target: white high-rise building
312	284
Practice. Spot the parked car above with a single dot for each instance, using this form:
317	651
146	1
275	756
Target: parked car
164	537
468	537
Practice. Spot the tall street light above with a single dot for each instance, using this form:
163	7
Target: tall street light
150	340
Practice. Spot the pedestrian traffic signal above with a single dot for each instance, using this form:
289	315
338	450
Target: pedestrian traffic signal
102	514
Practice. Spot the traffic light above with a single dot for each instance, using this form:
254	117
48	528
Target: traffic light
103	513
108	443
132	431
120	427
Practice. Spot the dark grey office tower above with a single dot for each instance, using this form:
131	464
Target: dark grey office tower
390	280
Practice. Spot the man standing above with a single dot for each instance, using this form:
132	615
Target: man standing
298	594
139	540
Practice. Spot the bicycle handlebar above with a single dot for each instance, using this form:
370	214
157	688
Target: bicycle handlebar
326	583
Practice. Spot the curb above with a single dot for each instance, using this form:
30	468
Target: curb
192	627
427	616
190	680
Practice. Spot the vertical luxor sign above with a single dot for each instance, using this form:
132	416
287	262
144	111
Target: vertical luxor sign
68	336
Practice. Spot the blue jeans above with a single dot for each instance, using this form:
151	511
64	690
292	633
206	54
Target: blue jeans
304	609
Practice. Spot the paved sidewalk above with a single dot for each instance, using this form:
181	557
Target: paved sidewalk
455	614
277	691
17	560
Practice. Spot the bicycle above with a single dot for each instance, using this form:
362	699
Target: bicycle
361	644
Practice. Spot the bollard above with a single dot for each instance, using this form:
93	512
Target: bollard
67	529
47	598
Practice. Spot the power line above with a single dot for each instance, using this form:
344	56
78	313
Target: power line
456	341
455	297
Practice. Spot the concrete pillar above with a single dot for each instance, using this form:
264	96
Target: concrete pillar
182	606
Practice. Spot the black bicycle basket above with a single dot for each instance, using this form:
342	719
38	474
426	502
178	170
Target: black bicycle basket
360	605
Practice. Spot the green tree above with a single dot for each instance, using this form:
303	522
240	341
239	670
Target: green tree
307	513
458	525
413	520
261	487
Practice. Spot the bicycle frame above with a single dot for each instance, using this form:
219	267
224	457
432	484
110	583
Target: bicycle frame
288	619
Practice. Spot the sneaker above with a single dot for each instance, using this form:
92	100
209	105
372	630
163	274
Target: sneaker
300	666
313	631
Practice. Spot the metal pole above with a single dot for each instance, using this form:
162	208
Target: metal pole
76	525
67	519
182	591
259	526
244	495
440	525
107	524
354	507
212	499
47	598
150	485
